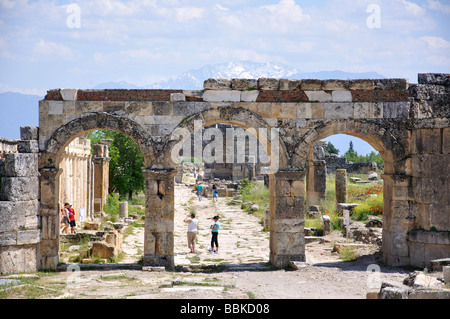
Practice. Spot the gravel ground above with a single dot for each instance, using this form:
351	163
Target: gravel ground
238	271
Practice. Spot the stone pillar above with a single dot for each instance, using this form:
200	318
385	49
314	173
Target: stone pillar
49	215
326	221
398	221
316	182
101	173
286	210
341	186
19	206
159	217
123	209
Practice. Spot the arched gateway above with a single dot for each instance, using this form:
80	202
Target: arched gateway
408	124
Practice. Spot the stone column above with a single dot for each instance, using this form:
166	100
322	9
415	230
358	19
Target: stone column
159	217
398	220
101	173
341	186
49	215
123	209
316	182
286	211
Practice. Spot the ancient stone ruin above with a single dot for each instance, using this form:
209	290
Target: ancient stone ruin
409	124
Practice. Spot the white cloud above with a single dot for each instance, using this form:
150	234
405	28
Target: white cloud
287	9
189	13
52	49
7	4
436	5
413	8
221	8
126	56
436	43
285	17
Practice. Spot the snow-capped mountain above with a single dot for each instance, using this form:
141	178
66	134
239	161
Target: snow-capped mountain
193	79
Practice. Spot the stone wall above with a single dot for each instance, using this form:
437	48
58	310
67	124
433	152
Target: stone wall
428	189
19	205
336	162
408	124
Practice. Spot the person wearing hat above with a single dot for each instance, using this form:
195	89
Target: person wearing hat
215	233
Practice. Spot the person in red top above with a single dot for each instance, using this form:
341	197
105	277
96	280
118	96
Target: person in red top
72	219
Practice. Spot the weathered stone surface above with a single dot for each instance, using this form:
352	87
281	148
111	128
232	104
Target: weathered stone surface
29	133
123	209
19	165
342	96
244	84
408	124
341	186
69	94
102	249
326	221
217	84
19	188
434	78
268	84
20	259
222	96
338	111
28	146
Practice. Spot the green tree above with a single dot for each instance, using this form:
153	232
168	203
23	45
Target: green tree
127	162
351	155
331	149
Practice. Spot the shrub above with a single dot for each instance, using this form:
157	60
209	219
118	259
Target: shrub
372	206
112	204
348	254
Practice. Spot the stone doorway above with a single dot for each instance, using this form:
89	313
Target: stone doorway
336	184
244	241
52	186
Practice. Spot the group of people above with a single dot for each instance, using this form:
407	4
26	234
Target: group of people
192	222
68	219
200	188
192	232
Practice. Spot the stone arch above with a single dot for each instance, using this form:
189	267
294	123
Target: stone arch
49	170
381	139
231	115
62	136
397	177
285	184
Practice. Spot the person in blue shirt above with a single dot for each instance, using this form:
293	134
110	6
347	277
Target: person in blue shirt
215	194
200	191
215	233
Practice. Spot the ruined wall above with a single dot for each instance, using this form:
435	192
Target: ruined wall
428	190
408	124
20	228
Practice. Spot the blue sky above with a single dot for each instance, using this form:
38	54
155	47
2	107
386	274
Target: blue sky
42	47
78	44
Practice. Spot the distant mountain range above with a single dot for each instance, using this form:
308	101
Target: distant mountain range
193	79
18	109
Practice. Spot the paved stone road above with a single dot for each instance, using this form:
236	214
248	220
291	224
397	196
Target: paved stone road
242	243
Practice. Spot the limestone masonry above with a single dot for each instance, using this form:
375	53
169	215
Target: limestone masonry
409	124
